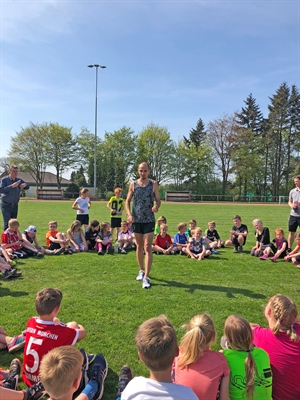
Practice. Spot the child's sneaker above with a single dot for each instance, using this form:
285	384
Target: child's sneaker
235	250
273	259
35	392
110	250
39	254
125	376
241	249
123	251
16	343
8	273
57	252
98	374
116	248
11	382
213	251
100	253
264	257
16	274
140	276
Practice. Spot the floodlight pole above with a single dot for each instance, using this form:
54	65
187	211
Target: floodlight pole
95	139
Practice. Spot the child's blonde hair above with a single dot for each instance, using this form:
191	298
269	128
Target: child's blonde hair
256	221
196	230
83	191
181	225
157	343
239	337
117	190
211	223
279	230
104	225
74	225
285	312
200	333
52	223
161	219
59	368
163	226
13	223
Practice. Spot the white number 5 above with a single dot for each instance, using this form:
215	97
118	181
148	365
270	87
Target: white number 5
34	354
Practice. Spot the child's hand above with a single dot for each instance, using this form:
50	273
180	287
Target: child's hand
56	321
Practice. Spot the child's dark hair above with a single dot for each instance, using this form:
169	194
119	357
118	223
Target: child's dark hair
94	223
47	300
237	217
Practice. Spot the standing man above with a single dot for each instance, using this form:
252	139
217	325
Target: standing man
143	191
294	203
10	188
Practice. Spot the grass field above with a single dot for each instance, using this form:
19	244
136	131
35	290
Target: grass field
101	292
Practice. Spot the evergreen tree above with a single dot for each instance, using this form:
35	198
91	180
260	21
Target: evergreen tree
196	136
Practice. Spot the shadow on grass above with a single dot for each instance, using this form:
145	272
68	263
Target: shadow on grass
229	291
7	292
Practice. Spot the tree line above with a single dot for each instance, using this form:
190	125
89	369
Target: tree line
236	154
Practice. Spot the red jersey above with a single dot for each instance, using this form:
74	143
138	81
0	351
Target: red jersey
9	237
49	233
41	337
163	242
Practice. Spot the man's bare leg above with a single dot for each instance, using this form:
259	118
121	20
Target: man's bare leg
291	238
139	250
148	238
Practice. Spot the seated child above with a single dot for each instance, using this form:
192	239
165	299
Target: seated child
278	250
45	332
163	242
212	238
181	239
91	233
160	220
61	370
7	266
104	240
156	342
249	365
293	254
76	237
29	237
116	206
11	343
197	366
192	225
262	238
281	340
13	243
197	246
56	240
125	239
238	235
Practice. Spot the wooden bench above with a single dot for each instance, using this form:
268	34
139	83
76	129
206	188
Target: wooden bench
49	194
177	196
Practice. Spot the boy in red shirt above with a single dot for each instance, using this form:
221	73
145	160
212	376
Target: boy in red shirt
163	242
45	332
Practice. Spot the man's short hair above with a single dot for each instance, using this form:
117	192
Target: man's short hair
58	370
13	222
157	343
47	300
13	166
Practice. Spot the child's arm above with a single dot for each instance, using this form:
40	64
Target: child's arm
89	204
292	253
37	245
82	332
24	238
75	206
84	241
224	388
53	240
109	207
278	252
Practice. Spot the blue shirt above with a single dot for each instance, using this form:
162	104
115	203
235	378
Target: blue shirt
8	193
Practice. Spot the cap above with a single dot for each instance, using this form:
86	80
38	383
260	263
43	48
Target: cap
31	229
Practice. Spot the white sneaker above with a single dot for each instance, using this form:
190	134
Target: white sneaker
140	276
116	248
146	283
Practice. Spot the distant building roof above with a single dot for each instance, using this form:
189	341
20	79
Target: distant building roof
49	179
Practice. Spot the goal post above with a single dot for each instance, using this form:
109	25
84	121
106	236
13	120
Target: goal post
283	199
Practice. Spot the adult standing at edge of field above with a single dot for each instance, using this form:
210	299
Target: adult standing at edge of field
294	203
10	188
143	192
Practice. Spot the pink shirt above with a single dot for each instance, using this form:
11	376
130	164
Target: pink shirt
204	376
285	361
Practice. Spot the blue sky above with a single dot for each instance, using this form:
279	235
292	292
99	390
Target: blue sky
168	62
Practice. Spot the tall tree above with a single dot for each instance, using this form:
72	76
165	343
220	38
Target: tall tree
197	136
29	151
62	149
220	133
154	145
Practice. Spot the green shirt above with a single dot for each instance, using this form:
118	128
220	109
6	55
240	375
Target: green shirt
117	203
263	382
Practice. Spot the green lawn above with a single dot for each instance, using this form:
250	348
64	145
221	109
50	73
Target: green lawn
101	292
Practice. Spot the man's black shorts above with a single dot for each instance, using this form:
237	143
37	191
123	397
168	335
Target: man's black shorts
115	222
294	222
143	227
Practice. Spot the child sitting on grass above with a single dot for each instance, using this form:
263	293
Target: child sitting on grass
192	225
238	235
197	246
7	266
163	242
262	235
277	248
181	239
56	240
45	332
160	220
156	342
104	240
293	254
76	237
91	234
212	238
29	237
125	238
197	366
